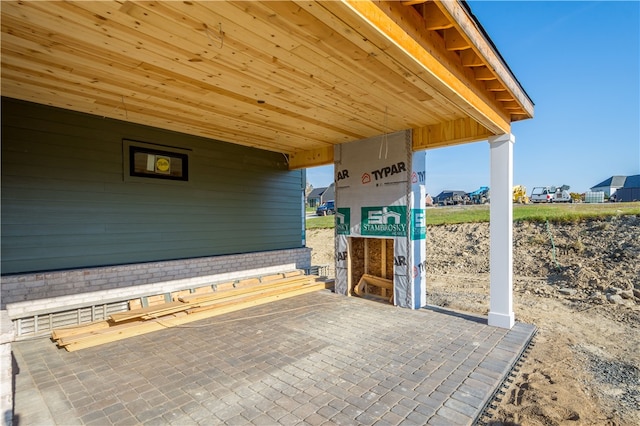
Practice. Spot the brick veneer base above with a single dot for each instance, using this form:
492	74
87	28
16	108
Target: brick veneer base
29	294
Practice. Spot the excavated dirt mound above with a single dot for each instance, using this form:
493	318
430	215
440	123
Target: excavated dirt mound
579	283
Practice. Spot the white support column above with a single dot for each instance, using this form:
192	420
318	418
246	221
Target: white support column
501	232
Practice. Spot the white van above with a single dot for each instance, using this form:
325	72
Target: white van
541	194
551	194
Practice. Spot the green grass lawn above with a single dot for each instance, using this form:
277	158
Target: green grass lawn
557	213
321	222
533	212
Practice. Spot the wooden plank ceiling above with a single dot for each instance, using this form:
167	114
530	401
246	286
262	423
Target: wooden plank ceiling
294	77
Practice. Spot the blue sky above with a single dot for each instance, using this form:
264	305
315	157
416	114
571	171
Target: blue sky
580	64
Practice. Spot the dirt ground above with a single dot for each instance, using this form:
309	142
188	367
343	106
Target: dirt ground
579	283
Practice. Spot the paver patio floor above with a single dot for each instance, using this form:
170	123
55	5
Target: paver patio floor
314	359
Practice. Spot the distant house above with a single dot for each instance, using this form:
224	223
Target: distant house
610	186
429	200
320	195
449	197
630	191
314	197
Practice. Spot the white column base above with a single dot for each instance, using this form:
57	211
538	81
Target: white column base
501	320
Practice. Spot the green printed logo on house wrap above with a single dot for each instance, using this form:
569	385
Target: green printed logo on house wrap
390	221
343	221
418	224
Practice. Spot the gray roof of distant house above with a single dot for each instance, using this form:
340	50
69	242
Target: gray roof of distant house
316	192
632	181
449	193
612	182
330	193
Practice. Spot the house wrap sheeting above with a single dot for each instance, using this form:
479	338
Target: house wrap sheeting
380	193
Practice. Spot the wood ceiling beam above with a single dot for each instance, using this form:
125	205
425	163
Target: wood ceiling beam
440	135
450	133
311	158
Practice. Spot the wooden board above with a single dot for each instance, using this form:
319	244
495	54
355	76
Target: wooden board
150	310
252	295
217	295
73	330
368	279
126	330
193	306
178	294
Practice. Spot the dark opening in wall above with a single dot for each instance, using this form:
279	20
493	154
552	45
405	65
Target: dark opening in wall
373	256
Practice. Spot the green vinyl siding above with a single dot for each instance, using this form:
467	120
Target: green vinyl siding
66	202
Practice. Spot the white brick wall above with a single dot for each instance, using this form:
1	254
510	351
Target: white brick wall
6	364
28	294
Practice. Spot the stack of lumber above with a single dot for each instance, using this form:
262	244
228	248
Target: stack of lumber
187	307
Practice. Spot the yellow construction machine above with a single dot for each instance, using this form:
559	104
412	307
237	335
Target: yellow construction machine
520	194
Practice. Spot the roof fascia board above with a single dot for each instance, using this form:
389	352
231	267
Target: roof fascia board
468	26
444	80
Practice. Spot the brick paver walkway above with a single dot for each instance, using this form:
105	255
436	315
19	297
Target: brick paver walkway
313	359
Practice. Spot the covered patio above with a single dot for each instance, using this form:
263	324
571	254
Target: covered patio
298	78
